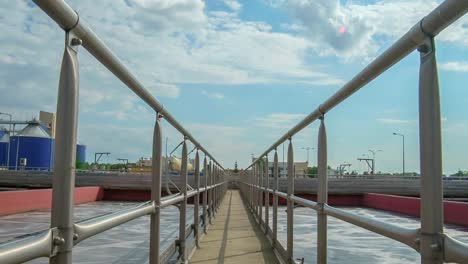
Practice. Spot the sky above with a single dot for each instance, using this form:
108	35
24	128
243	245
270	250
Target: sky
239	74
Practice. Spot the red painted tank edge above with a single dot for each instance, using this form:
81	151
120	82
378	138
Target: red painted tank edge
454	212
15	202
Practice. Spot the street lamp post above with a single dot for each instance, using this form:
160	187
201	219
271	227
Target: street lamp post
403	138
9	135
307	149
373	159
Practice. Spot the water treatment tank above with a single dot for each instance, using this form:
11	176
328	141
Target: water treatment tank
4	149
32	145
81	153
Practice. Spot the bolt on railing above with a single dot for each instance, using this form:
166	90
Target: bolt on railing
57	242
429	240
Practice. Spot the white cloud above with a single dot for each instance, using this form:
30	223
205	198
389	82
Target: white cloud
233	5
455	66
213	95
278	120
354	29
395	121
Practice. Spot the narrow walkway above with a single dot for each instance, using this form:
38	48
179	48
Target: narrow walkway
234	237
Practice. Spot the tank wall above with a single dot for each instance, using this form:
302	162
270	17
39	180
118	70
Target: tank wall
3	154
37	151
81	153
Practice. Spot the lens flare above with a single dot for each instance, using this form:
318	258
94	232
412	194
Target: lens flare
341	30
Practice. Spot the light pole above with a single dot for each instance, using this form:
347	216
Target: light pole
9	134
308	149
373	158
403	138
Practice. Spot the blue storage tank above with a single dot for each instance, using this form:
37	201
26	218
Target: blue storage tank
81	153
35	145
4	150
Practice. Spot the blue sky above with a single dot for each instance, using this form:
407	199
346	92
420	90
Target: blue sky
238	74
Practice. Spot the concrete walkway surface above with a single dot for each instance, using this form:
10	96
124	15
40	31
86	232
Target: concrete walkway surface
234	237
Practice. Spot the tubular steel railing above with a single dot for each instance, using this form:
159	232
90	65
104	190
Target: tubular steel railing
57	242
429	240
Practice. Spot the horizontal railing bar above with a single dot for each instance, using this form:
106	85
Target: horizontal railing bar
173	200
455	251
69	20
94	226
305	202
431	25
406	236
22	250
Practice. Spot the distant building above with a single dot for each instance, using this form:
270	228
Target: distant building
300	169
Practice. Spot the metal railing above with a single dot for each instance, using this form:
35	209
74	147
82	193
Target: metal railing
429	240
57	242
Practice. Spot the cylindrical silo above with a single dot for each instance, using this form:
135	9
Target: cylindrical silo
4	150
81	153
31	149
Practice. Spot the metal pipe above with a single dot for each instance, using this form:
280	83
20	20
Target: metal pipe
172	200
454	250
183	206
406	236
430	146
290	204
156	176
322	194
63	181
94	226
22	250
197	197
305	202
436	21
68	19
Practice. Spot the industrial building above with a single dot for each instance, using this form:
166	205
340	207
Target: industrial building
32	148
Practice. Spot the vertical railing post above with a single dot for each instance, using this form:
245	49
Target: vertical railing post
256	189
215	196
183	205
430	145
322	193
267	196
260	193
205	195
65	155
290	210
250	181
196	202
275	198
156	175
210	192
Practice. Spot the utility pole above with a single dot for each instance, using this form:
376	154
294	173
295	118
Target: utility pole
373	158
370	163
98	156
308	149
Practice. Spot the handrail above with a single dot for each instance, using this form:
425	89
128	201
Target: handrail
69	20
433	245
41	245
431	25
24	249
